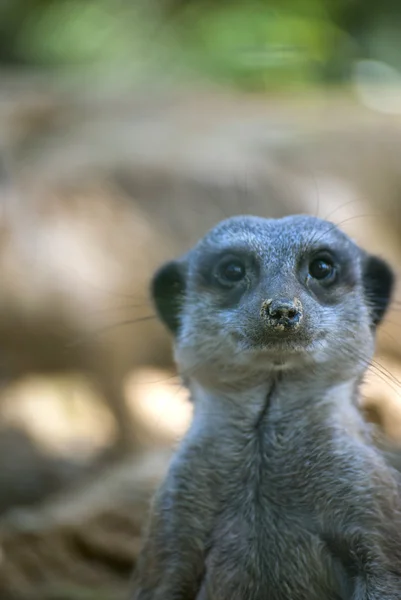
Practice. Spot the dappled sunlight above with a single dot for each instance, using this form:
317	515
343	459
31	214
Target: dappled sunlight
160	401
66	417
63	415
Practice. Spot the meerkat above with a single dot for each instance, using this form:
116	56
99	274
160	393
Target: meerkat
277	492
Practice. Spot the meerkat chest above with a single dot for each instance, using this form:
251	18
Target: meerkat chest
263	545
268	556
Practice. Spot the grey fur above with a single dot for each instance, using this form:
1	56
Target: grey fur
277	491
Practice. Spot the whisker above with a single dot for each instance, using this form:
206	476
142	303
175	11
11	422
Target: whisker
107	328
120	307
340	207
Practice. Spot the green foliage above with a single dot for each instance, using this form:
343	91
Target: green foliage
94	31
252	44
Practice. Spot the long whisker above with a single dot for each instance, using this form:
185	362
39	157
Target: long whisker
340	207
377	367
107	328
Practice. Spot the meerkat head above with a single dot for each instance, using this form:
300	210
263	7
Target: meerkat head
258	295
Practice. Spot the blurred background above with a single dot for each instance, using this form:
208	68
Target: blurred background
127	129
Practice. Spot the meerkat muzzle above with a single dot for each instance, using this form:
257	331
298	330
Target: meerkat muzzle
282	314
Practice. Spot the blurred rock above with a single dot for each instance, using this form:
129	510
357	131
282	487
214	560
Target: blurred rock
29	475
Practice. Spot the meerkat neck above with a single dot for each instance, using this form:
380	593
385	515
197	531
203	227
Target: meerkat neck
278	399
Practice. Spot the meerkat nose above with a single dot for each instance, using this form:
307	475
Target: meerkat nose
282	313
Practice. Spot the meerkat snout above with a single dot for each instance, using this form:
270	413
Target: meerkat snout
282	314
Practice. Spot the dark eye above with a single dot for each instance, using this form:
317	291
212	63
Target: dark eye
322	269
231	271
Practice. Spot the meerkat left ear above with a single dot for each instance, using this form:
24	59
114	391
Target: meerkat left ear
378	282
167	290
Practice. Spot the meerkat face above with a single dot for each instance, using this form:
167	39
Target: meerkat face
258	294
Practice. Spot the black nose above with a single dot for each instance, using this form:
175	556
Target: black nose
282	313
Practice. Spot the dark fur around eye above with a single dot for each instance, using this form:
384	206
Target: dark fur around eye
167	290
324	266
230	271
378	283
322	269
226	269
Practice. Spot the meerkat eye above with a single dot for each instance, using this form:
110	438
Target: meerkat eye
231	271
322	269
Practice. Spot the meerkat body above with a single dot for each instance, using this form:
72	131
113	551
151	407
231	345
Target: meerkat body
277	492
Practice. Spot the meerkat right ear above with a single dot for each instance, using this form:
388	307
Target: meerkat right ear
167	290
378	282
